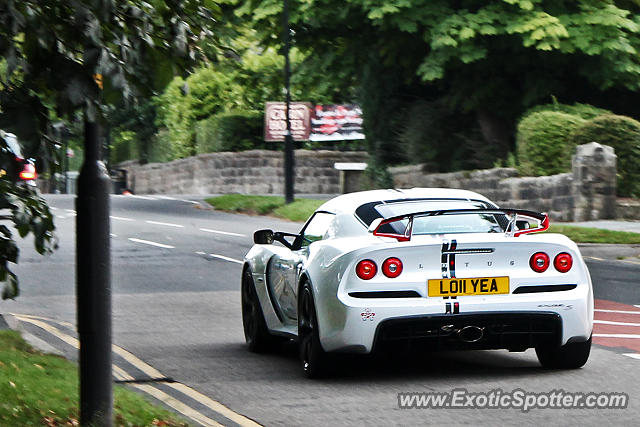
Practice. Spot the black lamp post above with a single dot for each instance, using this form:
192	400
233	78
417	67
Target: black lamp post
288	138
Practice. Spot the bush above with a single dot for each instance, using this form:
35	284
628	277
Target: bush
232	131
584	111
623	134
161	150
431	134
544	144
123	147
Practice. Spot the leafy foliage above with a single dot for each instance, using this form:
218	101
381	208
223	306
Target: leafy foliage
492	58
623	134
584	111
232	131
544	144
29	213
60	57
204	93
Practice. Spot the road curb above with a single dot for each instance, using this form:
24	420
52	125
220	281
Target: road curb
32	340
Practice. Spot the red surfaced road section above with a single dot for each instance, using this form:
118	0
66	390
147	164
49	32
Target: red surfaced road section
628	336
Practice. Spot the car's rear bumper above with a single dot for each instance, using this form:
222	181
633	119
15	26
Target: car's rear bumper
472	331
514	322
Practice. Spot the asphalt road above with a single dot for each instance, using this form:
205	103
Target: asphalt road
176	311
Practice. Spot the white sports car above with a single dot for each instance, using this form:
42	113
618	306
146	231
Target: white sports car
425	268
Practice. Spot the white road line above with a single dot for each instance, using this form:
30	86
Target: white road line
150	243
120	218
200	253
60	216
226	258
632	336
135	196
632	355
114	235
226	233
638	306
616	311
53	208
166	198
171	401
70	210
609	322
593	257
168	224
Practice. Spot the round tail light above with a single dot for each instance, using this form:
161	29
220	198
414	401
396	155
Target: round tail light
563	262
392	267
366	269
539	262
28	173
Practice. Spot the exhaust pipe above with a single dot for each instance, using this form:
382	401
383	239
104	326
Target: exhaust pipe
470	333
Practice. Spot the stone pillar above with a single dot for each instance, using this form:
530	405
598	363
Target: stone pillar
594	182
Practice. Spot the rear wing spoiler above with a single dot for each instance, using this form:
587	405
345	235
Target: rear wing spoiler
542	218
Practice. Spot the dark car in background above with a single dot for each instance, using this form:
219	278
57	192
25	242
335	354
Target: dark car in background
13	164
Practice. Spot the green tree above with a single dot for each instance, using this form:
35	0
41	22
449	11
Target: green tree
62	56
494	58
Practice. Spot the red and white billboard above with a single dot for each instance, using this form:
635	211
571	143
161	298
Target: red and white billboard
336	123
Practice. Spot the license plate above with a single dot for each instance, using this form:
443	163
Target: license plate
468	286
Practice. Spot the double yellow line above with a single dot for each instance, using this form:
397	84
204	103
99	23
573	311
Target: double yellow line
122	375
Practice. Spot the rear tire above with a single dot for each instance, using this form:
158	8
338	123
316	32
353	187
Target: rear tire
312	357
256	334
569	356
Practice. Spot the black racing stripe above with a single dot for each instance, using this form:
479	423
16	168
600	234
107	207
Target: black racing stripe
543	288
452	259
445	260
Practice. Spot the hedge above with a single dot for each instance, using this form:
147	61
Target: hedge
623	134
231	131
543	142
584	111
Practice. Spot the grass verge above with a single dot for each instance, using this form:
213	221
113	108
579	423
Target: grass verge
596	235
42	389
301	209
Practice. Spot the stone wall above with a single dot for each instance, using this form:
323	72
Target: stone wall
249	172
586	193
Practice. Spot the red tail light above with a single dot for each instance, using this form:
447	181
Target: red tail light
28	173
539	262
366	269
392	267
563	262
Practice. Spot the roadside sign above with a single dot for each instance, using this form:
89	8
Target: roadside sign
275	121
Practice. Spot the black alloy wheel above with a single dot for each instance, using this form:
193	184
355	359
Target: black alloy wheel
312	356
256	333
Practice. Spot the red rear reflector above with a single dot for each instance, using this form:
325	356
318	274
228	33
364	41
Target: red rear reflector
563	262
539	262
28	173
392	267
366	269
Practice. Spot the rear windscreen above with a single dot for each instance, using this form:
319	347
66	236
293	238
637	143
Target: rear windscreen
441	224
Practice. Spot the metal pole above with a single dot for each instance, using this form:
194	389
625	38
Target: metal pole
289	159
93	283
65	159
